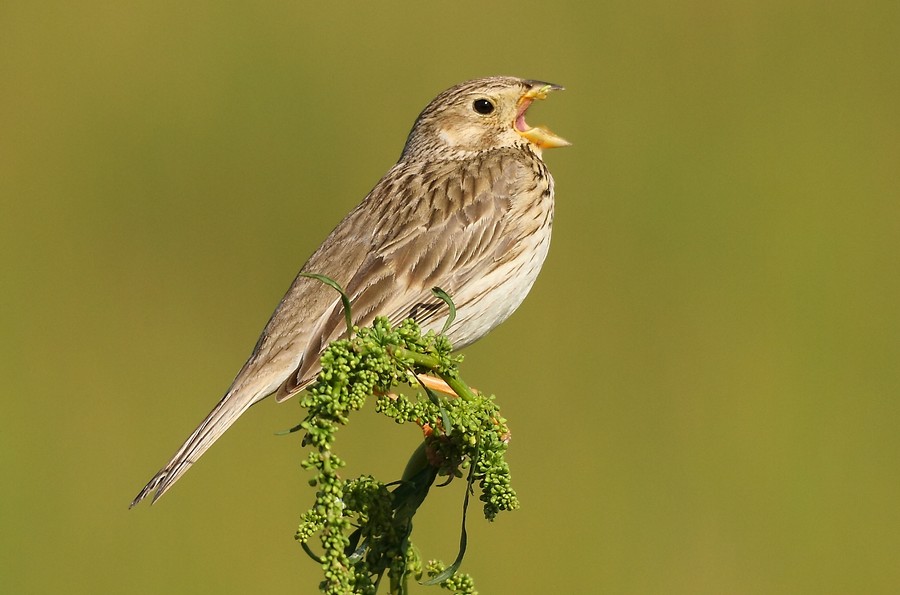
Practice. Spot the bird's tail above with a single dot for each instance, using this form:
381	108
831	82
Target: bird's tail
231	407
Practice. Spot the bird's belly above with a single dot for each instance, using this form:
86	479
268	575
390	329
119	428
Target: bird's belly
484	304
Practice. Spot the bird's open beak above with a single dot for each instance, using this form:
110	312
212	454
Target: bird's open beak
538	135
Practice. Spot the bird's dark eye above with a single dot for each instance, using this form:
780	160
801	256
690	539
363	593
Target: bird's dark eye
483	106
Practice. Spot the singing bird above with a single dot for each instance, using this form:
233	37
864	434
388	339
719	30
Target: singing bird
467	208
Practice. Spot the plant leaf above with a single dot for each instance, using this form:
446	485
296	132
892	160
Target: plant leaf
463	538
445	297
348	318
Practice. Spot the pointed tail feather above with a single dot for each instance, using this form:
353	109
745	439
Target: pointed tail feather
231	407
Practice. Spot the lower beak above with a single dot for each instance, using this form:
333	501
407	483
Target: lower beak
538	135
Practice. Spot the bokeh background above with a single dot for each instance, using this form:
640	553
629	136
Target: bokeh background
703	386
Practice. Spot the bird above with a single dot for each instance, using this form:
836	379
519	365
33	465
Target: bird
468	208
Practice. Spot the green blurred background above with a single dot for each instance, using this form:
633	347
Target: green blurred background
703	385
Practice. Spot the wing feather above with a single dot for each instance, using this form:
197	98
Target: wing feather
450	233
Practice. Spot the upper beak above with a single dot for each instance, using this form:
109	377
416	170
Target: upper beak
538	135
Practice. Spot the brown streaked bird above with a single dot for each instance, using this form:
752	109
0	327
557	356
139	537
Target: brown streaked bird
468	208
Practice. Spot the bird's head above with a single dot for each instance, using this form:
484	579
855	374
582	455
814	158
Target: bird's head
480	115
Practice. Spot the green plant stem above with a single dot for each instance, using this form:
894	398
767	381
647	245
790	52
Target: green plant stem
432	363
419	359
459	387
